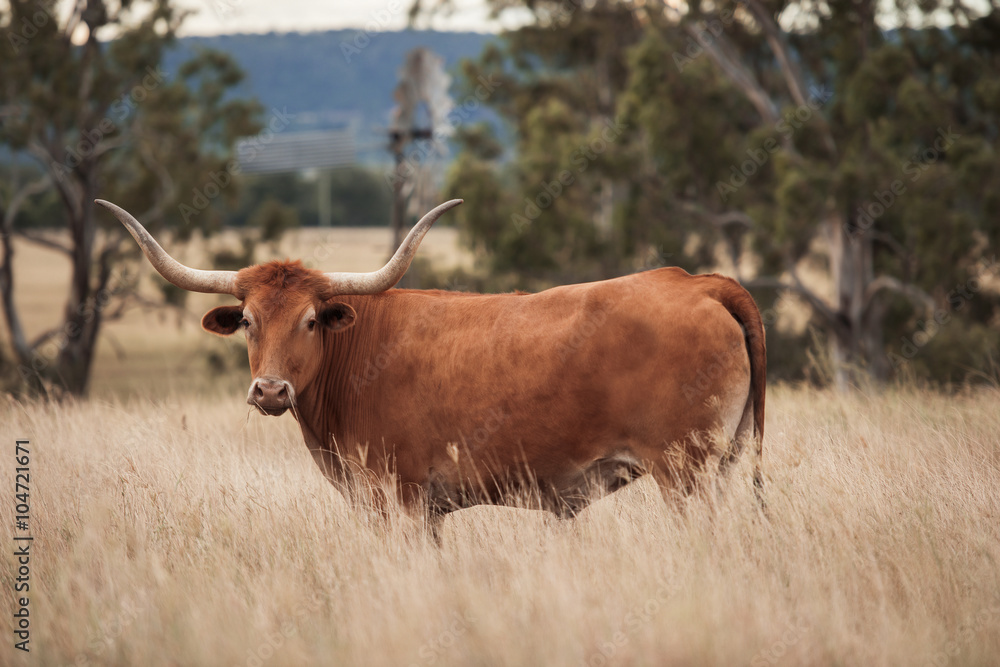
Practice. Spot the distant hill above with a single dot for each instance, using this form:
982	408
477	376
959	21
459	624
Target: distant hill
309	74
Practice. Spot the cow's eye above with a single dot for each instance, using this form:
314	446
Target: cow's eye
311	325
244	323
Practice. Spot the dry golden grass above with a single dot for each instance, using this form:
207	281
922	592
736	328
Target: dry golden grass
172	529
181	532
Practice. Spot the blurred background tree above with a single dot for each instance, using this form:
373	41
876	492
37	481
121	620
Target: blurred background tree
84	118
839	157
779	140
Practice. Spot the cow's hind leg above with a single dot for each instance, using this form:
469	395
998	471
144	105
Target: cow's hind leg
602	477
744	434
695	468
679	476
439	496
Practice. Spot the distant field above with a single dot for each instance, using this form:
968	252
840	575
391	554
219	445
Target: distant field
151	350
182	531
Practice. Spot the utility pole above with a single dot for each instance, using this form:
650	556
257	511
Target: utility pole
422	80
398	140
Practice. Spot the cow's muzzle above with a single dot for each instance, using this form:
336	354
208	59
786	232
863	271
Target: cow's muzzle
270	395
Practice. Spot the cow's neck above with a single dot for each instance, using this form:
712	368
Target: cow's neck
335	411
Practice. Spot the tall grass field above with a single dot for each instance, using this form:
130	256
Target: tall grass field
186	531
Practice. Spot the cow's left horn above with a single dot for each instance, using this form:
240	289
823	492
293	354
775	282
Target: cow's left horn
193	280
390	274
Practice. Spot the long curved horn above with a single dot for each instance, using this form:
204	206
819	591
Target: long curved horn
192	280
390	274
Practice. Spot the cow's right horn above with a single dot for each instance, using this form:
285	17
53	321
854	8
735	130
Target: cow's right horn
392	272
193	280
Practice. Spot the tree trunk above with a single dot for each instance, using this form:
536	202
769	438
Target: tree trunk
856	346
25	358
81	321
398	204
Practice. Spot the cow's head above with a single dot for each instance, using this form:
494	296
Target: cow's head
286	309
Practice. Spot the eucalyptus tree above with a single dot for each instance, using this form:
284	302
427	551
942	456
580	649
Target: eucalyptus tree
87	110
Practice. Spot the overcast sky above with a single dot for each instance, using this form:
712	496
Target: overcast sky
214	17
235	16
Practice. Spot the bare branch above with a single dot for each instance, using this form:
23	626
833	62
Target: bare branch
720	220
115	344
68	190
38	239
818	305
14	207
166	182
740	76
732	225
890	242
779	46
109	145
44	337
11	315
778	42
75	17
127	301
917	296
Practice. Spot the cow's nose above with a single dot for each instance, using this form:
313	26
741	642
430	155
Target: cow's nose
270	395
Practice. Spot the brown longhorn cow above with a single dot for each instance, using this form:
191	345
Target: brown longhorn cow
452	399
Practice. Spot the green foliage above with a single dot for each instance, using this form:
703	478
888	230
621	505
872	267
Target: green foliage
881	168
358	197
101	118
534	215
961	351
474	177
273	219
152	138
228	259
44	210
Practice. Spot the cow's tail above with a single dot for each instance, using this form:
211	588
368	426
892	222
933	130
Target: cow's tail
744	310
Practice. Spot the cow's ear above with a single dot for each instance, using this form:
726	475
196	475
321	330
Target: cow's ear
336	316
224	320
